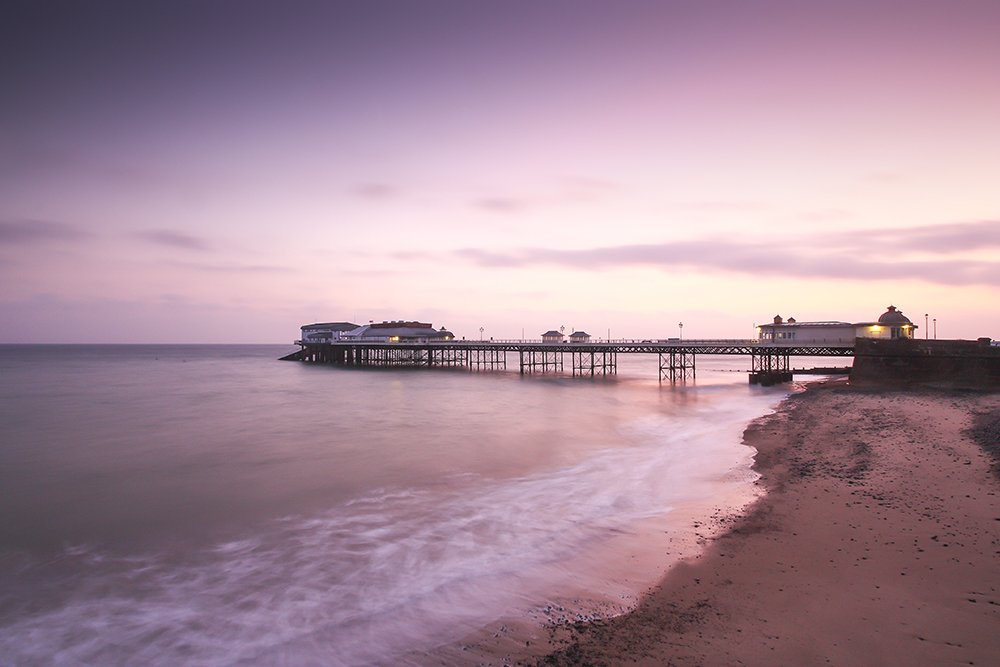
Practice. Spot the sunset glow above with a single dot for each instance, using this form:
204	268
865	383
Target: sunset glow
225	172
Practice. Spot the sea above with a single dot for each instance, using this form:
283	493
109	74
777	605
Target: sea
210	505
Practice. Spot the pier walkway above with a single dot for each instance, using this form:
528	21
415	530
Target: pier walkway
769	361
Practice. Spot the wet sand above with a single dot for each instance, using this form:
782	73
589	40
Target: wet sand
877	543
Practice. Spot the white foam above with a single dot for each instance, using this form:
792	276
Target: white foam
393	570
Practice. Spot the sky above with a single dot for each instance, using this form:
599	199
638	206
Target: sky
225	172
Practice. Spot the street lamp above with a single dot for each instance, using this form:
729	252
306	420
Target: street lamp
680	331
935	328
481	333
927	332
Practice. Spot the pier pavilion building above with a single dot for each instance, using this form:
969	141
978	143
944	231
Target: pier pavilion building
326	331
791	332
397	332
373	332
891	324
552	336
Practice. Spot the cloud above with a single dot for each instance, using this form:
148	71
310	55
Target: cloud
881	254
937	239
370	274
23	232
502	204
825	216
232	268
740	206
490	259
172	239
561	191
375	191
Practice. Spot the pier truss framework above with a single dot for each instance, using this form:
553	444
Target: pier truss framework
591	363
769	363
770	366
540	360
676	365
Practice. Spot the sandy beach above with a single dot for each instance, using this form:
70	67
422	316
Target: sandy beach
877	543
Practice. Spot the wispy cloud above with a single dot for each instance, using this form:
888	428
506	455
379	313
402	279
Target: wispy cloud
23	232
733	206
936	239
173	239
375	191
513	259
502	204
867	254
561	191
232	268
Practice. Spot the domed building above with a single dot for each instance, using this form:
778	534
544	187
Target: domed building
891	324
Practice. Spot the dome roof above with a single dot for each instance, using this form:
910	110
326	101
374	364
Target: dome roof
893	316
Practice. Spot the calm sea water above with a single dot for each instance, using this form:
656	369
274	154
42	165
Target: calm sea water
210	505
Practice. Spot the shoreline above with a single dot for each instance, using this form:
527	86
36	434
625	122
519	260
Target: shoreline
611	576
876	542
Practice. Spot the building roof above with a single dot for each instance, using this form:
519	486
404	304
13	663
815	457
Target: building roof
330	326
401	330
579	334
892	316
395	324
552	333
793	323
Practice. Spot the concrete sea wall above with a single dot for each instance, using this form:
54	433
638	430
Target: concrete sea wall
959	364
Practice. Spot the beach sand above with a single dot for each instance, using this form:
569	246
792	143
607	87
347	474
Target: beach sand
877	543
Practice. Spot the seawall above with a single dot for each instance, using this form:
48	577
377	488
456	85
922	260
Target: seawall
958	364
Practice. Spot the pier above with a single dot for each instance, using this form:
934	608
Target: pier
769	360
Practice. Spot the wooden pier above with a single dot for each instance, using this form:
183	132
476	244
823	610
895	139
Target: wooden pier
769	362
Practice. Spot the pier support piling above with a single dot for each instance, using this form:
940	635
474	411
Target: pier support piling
541	361
591	363
770	366
677	365
487	359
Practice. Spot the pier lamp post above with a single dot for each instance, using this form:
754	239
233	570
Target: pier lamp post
680	331
935	328
481	333
927	332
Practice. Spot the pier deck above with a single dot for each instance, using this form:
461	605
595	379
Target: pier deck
769	361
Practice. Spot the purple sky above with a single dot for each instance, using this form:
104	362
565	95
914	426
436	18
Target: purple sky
227	171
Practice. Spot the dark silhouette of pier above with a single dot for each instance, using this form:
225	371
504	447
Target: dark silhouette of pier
770	361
